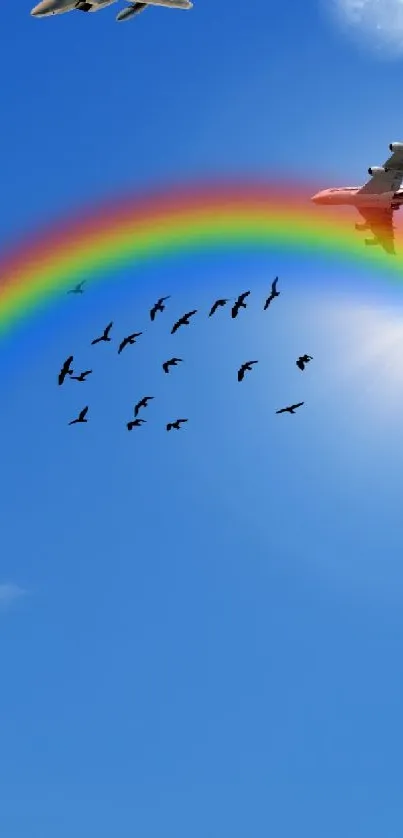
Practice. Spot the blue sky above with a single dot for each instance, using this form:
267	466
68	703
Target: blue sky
200	633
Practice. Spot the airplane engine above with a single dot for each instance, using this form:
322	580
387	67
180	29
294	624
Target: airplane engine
370	242
362	227
395	147
376	170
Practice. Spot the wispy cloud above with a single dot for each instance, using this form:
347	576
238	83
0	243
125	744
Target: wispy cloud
9	593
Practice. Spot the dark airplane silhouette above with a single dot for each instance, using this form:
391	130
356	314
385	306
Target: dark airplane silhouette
173	362
291	409
274	293
304	359
244	367
65	370
129	340
82	375
183	321
78	289
142	403
175	424
81	417
105	335
216	305
240	303
158	306
135	423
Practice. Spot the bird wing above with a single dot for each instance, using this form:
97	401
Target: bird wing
214	308
87	372
137	408
243	296
176	325
165	366
68	362
162	299
234	310
83	412
283	410
241	373
181	420
274	285
169	426
108	328
153	312
293	406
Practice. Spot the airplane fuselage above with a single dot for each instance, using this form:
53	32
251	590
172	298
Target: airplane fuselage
352	196
59	7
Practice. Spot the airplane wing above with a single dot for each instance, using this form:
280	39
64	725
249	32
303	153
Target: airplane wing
388	181
380	222
135	8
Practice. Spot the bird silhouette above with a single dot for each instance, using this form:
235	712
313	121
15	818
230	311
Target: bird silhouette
175	424
78	289
244	367
105	335
291	409
173	362
135	423
81	417
239	303
158	306
82	375
217	305
129	340
142	403
302	360
274	293
183	321
65	370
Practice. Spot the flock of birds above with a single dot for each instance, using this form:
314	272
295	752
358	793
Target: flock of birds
67	371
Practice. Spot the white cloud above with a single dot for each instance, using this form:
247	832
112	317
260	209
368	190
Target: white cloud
9	593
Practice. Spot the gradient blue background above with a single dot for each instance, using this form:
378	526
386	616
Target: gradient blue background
209	642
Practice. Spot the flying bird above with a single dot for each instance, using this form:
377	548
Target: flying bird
78	289
129	340
217	305
142	403
291	409
244	367
302	360
274	293
173	362
105	335
82	375
183	321
81	417
135	423
65	370
239	303
159	306
175	424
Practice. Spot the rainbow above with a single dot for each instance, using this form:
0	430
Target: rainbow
226	217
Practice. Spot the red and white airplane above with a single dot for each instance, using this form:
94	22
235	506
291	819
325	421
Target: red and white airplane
59	7
376	201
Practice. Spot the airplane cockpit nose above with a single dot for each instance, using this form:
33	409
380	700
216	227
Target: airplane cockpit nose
317	198
46	7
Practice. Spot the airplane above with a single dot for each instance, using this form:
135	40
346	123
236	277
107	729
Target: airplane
376	201
58	7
